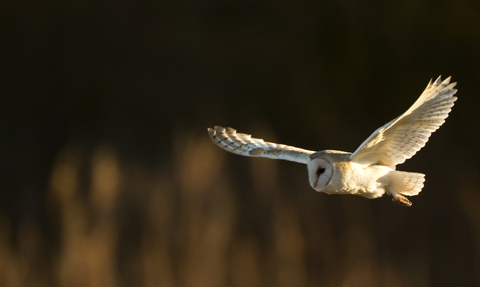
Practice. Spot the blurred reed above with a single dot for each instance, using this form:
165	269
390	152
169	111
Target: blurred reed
198	223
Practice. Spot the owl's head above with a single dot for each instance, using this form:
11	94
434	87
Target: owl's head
320	170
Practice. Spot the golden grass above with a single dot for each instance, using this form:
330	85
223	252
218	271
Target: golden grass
122	224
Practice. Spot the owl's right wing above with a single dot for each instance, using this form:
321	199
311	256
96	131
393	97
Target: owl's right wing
399	139
243	144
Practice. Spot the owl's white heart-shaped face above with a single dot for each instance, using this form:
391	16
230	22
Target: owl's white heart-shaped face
320	173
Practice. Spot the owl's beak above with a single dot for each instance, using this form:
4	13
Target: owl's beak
314	184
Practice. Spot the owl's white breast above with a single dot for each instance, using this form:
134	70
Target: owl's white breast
353	178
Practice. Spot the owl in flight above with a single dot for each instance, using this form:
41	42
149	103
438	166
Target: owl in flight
370	170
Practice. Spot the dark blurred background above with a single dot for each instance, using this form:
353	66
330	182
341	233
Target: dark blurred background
108	177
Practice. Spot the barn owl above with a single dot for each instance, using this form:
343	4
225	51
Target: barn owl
370	170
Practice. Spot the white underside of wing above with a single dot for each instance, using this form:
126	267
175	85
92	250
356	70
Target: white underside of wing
401	138
243	144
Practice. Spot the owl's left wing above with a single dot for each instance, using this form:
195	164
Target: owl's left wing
243	144
401	138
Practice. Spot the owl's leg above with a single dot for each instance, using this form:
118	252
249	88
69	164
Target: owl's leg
397	197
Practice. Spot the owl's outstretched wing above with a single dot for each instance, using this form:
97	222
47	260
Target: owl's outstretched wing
401	138
243	144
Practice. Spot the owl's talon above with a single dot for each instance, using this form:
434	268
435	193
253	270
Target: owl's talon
401	200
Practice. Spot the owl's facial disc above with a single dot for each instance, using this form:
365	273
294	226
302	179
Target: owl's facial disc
320	173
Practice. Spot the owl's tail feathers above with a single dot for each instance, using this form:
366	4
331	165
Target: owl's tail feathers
407	183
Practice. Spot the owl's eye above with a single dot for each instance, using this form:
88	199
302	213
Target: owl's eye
320	171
